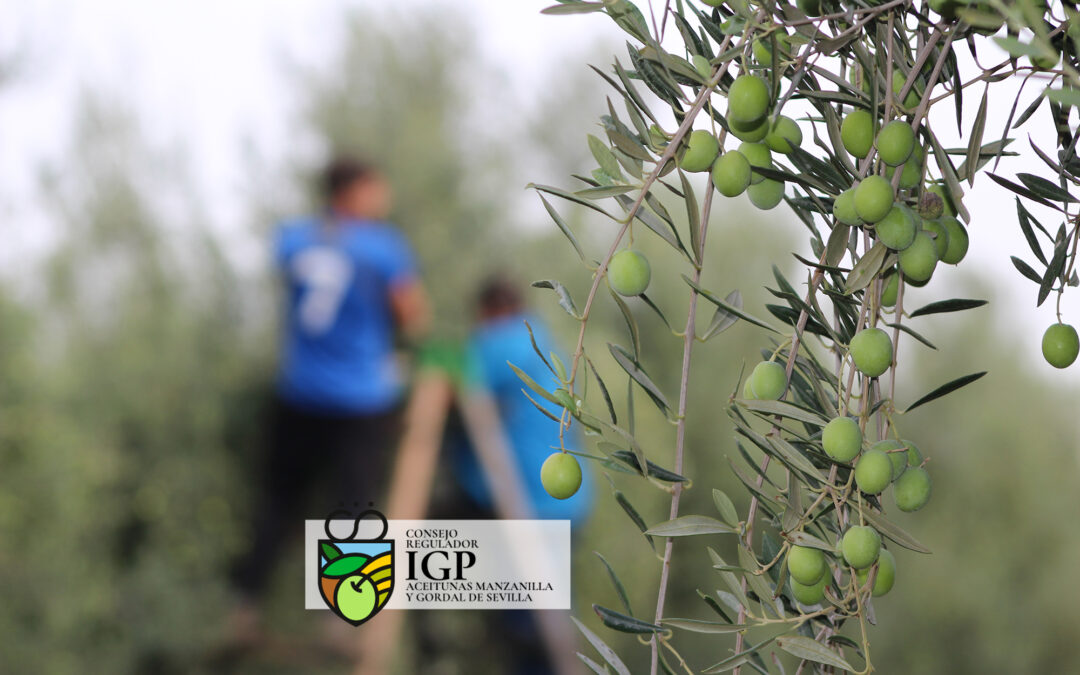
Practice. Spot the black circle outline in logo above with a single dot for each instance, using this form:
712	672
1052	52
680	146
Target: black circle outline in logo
337	514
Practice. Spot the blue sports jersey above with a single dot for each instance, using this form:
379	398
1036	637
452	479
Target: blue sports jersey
532	435
338	347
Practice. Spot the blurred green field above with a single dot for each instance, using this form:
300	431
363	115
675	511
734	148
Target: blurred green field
135	371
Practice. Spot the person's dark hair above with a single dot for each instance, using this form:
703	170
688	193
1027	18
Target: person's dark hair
343	171
499	294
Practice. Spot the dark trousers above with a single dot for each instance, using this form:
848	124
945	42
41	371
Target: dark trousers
316	463
510	637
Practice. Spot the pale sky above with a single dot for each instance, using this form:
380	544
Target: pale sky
205	75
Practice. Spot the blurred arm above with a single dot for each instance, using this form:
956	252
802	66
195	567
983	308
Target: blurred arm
412	311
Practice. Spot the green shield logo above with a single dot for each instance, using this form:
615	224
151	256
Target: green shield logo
356	576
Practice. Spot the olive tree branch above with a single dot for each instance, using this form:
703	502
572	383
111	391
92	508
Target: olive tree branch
654	175
751	516
680	432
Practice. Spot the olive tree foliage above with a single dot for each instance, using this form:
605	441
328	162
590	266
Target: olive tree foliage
827	98
130	381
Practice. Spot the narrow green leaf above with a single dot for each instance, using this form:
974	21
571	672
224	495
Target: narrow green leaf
693	216
603	391
703	626
1029	111
604	157
688	526
569	196
601	647
810	541
729	664
623	623
946	388
629	146
731	309
866	269
1017	48
975	139
1021	190
1065	96
1053	269
788	454
948	173
763	496
597	668
574	8
757	582
955	305
630	511
784	409
531	384
892	531
619	588
730	578
1025	220
547	413
1025	269
812	650
567	232
750	656
726	507
1045	188
604	191
656	310
565	301
663	229
837	244
634	370
631	322
910	331
654	470
536	348
987	152
723	319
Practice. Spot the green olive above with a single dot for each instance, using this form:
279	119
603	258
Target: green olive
842	439
731	173
1060	345
561	475
768	381
857	133
629	273
874	198
766	194
748	99
860	546
871	350
701	151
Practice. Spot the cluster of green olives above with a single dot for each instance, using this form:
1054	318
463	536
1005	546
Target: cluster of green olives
748	120
921	236
890	461
810	573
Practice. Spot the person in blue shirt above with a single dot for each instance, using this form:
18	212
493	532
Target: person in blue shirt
502	337
351	287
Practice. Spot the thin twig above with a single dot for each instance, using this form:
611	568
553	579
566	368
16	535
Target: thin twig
680	434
